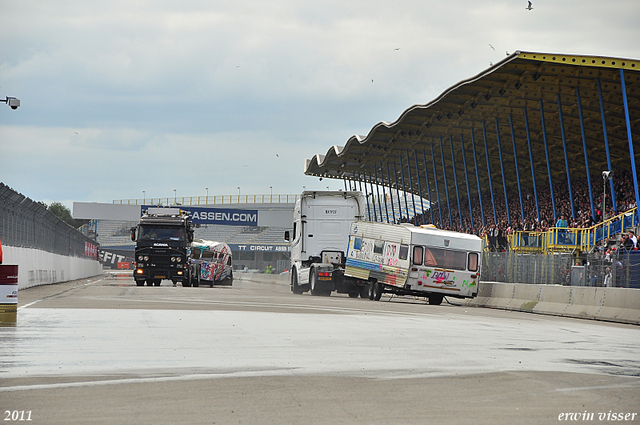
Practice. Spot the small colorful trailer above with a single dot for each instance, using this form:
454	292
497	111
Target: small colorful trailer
210	263
409	260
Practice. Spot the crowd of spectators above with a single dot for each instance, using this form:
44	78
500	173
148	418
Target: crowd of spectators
536	218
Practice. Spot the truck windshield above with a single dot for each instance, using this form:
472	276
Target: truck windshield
161	233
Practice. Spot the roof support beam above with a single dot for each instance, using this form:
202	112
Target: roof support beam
413	199
486	154
566	157
455	180
586	157
633	158
435	181
475	164
393	208
606	146
415	156
504	183
446	186
533	173
515	160
426	177
546	152
466	178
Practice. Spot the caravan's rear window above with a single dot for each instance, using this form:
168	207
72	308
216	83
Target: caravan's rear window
378	247
436	257
473	261
404	252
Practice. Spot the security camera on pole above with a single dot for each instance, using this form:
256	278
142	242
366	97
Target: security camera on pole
12	102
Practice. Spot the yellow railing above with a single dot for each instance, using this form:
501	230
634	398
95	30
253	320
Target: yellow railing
558	239
213	200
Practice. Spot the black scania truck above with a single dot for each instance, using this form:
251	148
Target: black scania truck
163	238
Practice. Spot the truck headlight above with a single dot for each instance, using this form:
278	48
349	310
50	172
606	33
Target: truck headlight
173	259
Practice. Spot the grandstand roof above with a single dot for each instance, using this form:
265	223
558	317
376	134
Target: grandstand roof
508	96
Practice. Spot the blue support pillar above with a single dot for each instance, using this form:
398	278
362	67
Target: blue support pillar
413	199
455	181
446	186
366	195
404	191
586	157
378	192
486	153
546	151
515	159
630	138
373	201
466	178
435	180
415	156
606	146
395	172
384	193
426	177
533	173
566	157
475	164
504	182
393	208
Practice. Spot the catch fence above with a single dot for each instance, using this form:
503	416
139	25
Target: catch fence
29	224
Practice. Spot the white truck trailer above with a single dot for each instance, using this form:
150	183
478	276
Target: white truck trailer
408	260
321	224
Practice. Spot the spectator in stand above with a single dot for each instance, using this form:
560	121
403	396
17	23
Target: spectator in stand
633	238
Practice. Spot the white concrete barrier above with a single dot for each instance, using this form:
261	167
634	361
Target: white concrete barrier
611	304
37	267
276	279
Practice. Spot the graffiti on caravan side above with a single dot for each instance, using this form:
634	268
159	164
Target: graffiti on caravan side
364	250
391	254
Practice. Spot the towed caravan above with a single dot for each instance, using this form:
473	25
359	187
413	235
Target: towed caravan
409	260
210	263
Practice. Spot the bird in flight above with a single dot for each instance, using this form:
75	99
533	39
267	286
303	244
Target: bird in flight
492	47
529	6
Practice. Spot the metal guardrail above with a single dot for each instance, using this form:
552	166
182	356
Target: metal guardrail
213	200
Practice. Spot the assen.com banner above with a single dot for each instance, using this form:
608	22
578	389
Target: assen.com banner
228	217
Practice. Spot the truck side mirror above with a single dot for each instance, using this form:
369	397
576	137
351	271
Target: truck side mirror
133	234
286	235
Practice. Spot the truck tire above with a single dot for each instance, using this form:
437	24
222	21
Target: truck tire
354	294
295	288
364	292
140	282
375	293
149	282
313	283
435	299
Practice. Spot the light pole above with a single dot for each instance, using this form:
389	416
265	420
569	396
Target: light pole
207	200
144	197
238	194
175	197
271	191
606	175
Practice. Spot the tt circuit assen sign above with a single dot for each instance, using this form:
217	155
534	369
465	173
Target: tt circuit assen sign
223	216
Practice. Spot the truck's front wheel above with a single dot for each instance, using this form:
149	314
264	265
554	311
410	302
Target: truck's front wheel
295	288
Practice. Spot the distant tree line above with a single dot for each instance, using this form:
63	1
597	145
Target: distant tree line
64	214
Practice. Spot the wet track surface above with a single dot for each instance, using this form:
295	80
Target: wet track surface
105	334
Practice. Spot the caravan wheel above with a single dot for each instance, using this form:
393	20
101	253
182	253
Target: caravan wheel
435	299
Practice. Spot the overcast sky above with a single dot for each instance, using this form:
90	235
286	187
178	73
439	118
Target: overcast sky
122	97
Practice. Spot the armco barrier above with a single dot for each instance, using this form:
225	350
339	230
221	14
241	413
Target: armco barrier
610	304
38	267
